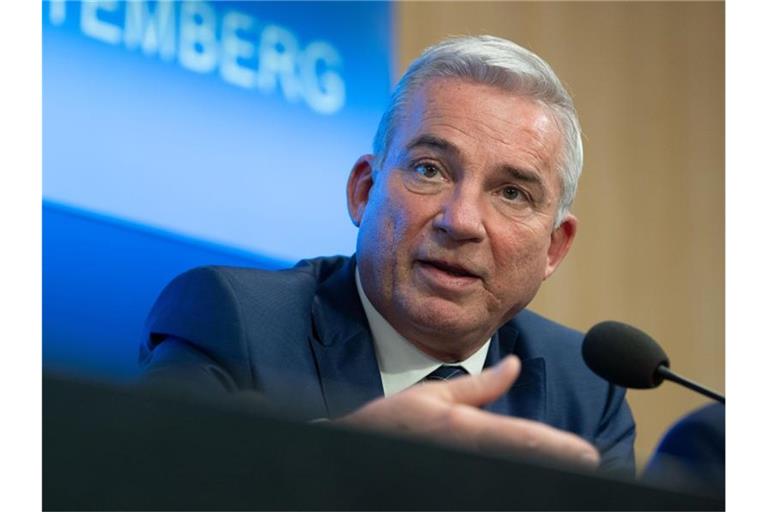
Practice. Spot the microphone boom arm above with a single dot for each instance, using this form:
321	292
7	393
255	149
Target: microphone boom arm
668	374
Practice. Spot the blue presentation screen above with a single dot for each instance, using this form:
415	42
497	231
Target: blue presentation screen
229	122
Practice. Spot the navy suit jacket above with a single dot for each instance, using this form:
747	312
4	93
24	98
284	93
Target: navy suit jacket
691	455
301	337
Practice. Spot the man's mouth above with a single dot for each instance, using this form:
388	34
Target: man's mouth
453	269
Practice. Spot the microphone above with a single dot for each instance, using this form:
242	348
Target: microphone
628	357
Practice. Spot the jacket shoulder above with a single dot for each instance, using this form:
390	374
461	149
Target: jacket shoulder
234	315
577	399
542	337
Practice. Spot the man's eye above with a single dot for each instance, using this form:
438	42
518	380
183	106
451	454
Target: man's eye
427	170
512	193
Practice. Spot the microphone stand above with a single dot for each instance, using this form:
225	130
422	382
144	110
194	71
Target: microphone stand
667	374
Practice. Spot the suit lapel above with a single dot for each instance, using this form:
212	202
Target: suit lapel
527	398
343	346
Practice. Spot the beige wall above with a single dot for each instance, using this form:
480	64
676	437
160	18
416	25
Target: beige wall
648	81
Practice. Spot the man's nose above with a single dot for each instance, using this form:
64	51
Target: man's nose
461	217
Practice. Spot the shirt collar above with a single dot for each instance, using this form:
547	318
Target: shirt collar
401	364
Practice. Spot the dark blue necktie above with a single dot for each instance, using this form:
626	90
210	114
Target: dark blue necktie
446	372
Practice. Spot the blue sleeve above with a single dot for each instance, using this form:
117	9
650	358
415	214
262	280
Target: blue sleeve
192	336
615	437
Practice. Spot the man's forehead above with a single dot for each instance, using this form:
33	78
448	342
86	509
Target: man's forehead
447	106
454	97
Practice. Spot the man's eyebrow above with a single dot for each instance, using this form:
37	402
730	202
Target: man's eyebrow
434	142
523	174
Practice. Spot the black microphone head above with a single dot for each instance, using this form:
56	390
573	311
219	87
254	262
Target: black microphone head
623	355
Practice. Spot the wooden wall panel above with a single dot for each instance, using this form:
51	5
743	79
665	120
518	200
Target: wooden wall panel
648	81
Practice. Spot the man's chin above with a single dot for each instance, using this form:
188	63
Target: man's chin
436	316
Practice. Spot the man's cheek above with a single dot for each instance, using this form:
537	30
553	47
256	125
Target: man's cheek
396	225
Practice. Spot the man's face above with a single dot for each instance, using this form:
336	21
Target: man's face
456	227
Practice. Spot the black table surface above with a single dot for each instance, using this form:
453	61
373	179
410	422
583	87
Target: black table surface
107	447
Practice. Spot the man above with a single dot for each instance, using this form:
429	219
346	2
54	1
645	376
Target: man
463	211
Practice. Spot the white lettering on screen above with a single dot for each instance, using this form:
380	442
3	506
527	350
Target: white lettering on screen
197	38
57	12
152	32
262	56
93	26
234	48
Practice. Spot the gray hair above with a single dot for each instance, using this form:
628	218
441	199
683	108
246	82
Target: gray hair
500	63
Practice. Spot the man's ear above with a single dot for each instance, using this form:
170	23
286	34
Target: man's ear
560	243
358	187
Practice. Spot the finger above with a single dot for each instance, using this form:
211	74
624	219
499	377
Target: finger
493	433
478	390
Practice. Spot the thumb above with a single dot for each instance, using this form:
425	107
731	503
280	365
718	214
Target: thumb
486	387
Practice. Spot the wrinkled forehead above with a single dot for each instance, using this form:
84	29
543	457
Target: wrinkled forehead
482	114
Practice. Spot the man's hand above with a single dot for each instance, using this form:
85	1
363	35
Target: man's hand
448	412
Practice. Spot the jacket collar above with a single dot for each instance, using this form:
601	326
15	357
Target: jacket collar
527	398
342	345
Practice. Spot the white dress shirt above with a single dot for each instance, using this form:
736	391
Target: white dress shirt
401	364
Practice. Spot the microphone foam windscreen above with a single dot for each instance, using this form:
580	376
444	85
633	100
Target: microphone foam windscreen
623	355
